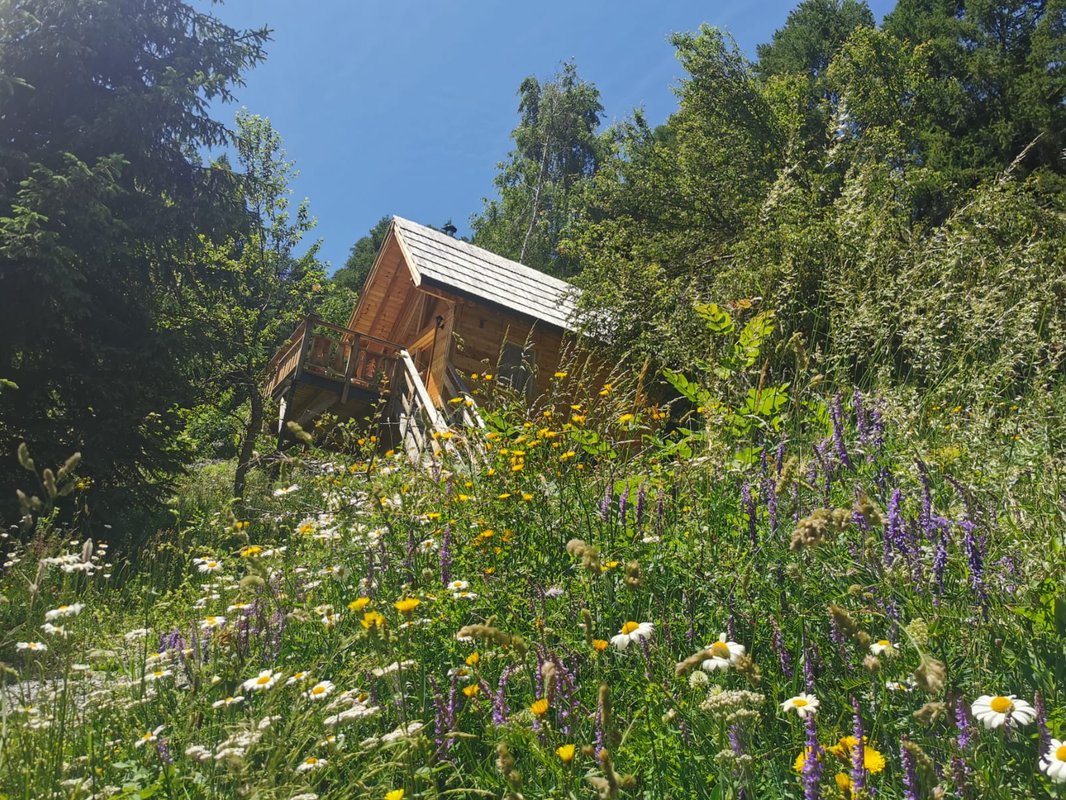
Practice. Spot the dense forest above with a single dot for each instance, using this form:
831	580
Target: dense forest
833	284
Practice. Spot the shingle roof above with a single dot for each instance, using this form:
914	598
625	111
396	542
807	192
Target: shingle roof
459	265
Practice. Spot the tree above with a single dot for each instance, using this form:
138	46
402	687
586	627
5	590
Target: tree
556	150
811	36
361	257
103	197
257	287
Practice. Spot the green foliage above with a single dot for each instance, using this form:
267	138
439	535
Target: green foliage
811	36
557	150
98	219
360	259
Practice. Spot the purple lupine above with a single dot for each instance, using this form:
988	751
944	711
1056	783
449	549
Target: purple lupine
812	764
163	749
623	506
736	744
748	501
779	458
808	670
862	421
821	450
975	558
638	512
783	656
645	649
566	694
925	511
731	625
910	772
858	753
838	639
877	426
1041	723
499	700
962	723
446	556
940	555
836	413
600	735
444	720
894	536
768	491
605	504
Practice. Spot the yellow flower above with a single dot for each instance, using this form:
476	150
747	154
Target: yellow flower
600	644
560	375
407	605
539	707
625	419
471	690
843	783
565	753
251	550
873	761
503	496
372	619
527	496
395	794
359	603
567	455
473	659
577	419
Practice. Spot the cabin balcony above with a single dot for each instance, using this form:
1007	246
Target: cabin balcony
324	365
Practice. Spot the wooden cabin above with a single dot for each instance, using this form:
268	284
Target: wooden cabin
433	311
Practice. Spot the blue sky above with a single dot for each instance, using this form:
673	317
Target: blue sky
403	107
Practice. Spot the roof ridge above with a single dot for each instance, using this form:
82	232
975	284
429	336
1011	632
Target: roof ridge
531	272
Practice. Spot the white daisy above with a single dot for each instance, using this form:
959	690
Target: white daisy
464	596
803	704
54	630
228	701
33	647
724	654
148	736
157	675
64	611
458	586
320	690
261	682
211	622
1053	762
883	647
208	565
297	677
993	712
286	490
632	632
310	763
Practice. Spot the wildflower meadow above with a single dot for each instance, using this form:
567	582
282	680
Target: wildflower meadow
593	597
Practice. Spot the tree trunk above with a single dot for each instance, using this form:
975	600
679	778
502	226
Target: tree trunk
251	431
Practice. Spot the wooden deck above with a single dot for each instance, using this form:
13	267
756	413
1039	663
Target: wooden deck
334	359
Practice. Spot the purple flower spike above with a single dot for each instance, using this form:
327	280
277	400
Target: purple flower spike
910	772
858	754
812	764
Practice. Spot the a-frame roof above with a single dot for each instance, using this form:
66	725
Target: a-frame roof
438	259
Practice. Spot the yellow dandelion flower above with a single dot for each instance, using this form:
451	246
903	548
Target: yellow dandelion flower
565	753
407	604
600	644
625	419
395	794
372	620
472	690
567	455
250	551
359	603
473	659
539	707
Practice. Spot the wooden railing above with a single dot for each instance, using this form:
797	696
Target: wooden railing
335	353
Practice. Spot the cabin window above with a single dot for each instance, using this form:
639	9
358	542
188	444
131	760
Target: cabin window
516	367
